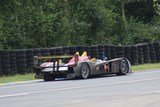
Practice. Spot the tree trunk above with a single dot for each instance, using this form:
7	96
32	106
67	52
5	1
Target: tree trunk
123	10
149	10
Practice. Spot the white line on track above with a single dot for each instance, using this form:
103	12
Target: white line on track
13	95
71	88
68	102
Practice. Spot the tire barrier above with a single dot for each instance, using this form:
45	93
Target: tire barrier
107	51
152	53
113	52
52	51
80	49
127	52
44	52
134	55
72	50
29	57
37	52
157	50
59	51
94	51
88	49
21	61
13	64
0	65
146	53
140	54
5	62
101	51
120	51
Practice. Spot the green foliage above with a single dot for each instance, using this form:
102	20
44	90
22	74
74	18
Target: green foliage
47	23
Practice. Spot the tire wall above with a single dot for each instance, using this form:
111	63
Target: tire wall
29	59
13	63
0	65
5	62
101	52
134	55
140	54
107	51
113	52
146	53
21	61
127	52
157	50
87	49
95	51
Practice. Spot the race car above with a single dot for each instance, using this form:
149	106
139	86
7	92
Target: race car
78	66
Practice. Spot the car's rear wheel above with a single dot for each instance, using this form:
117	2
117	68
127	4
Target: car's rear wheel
123	67
48	77
85	70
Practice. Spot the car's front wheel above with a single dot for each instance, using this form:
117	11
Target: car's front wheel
123	67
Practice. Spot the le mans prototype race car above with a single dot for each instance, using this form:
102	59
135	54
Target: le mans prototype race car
78	66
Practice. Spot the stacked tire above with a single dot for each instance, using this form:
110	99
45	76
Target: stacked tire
101	51
21	61
113	52
80	49
52	51
146	53
157	50
5	62
13	64
72	50
29	56
107	51
66	50
87	49
94	51
120	51
44	52
37	52
152	53
134	55
0	65
140	54
58	51
127	52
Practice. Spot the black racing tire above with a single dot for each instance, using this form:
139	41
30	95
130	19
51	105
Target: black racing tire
48	77
123	67
85	70
38	76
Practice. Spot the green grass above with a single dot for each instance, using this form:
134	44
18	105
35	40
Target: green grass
30	76
16	78
145	67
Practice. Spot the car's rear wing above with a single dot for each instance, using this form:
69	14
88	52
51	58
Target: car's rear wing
41	59
55	57
71	61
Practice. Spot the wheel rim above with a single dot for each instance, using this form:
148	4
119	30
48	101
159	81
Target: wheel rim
85	71
123	66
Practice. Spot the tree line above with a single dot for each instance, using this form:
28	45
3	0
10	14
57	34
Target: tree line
50	23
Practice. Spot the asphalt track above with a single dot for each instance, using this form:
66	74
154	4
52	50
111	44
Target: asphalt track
133	90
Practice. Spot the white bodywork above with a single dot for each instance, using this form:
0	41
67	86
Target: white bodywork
48	67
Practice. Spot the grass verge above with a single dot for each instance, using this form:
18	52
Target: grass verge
16	78
146	67
30	76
